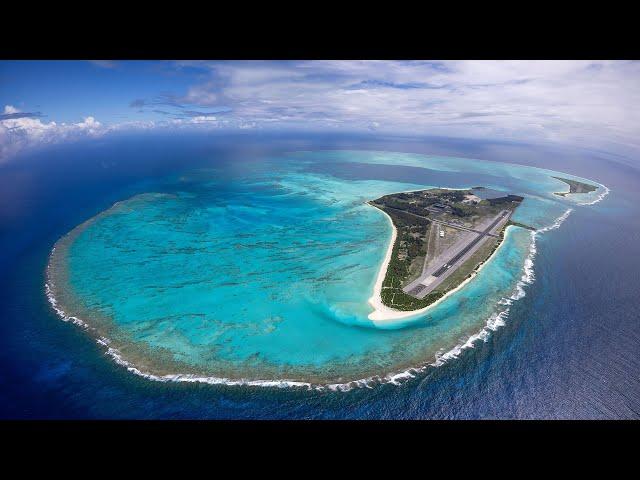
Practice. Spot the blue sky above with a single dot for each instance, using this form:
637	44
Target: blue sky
68	91
592	104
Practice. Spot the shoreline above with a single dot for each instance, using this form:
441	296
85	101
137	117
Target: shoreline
395	377
383	314
573	196
599	198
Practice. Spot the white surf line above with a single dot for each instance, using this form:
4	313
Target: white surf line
385	314
48	288
599	198
119	359
394	378
495	321
116	355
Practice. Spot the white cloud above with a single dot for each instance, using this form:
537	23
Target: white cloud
90	125
21	132
587	103
560	101
203	119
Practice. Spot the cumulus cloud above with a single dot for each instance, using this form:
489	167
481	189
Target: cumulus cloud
12	113
587	103
20	130
90	125
575	102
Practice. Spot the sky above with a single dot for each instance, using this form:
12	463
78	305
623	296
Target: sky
590	104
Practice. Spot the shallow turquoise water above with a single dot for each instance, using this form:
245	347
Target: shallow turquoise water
266	274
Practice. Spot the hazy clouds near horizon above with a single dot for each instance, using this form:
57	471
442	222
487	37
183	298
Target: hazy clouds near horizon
584	103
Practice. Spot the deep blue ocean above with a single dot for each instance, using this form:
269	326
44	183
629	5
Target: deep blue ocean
569	348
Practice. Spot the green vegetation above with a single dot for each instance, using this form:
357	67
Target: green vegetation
393	296
521	225
410	247
501	201
470	266
398	271
411	214
462	210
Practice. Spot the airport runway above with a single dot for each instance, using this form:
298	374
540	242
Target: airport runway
463	249
448	224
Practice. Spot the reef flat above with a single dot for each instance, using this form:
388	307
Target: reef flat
265	276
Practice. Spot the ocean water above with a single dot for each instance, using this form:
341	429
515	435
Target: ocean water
164	275
265	277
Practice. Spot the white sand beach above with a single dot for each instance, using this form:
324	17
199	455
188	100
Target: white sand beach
384	314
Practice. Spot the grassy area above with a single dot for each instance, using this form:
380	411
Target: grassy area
521	225
409	248
473	263
469	266
394	297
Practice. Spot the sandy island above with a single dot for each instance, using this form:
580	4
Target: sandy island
384	314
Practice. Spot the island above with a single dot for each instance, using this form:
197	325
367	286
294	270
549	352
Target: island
575	187
441	238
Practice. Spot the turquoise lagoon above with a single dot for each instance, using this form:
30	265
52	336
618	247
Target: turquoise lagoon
260	272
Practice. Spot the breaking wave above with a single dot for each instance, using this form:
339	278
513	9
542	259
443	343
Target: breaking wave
599	198
497	320
493	323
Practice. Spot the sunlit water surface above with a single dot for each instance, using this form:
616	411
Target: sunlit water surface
264	276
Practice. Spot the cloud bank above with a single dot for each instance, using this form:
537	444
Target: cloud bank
583	103
21	130
576	102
